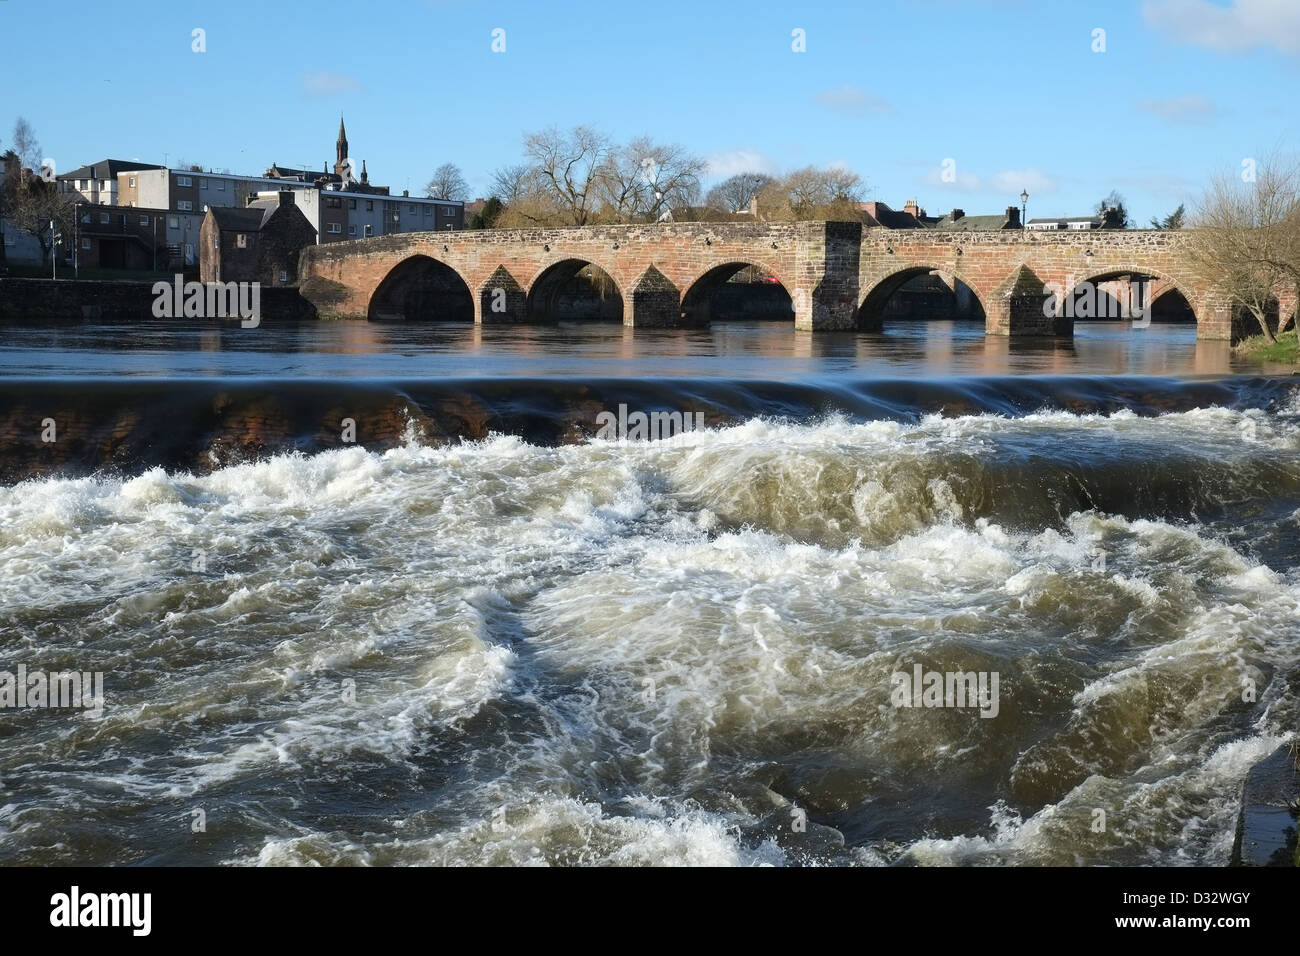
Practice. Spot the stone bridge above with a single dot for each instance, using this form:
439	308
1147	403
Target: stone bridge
838	274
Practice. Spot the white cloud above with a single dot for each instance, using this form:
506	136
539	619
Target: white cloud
1192	108
1032	181
733	161
959	178
848	100
329	84
1241	25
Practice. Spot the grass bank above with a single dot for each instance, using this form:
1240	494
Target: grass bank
1285	349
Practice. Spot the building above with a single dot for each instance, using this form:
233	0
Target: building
958	221
113	237
340	209
911	216
1107	219
339	214
258	243
98	183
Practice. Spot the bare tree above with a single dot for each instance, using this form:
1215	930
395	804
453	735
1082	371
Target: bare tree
645	180
30	203
735	193
1246	239
511	183
568	168
447	183
26	146
812	193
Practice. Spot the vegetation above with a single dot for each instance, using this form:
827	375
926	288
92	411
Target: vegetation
580	177
1284	348
447	183
1113	207
27	201
1174	220
1247	239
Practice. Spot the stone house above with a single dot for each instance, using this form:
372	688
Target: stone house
259	243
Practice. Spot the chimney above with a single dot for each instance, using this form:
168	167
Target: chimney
1013	216
957	214
753	207
286	197
406	193
911	208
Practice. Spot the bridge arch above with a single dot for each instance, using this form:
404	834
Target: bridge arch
574	288
705	301
1103	295
421	288
963	300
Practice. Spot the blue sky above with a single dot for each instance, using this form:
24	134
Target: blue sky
1010	90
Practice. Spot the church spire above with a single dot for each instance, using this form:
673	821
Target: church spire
342	145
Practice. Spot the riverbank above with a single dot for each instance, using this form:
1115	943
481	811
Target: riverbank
1285	349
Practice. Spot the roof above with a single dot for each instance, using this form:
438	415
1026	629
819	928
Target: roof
250	218
973	223
1069	219
107	169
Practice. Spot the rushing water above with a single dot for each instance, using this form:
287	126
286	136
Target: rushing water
529	646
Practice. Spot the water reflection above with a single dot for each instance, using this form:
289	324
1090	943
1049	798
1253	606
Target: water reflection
752	349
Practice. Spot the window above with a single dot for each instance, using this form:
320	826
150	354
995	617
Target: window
370	205
369	229
85	243
81	184
221	185
334	202
284	277
428	210
352	230
131	181
184	205
448	211
103	218
184	181
335	227
203	184
85	217
173	222
411	207
106	186
144	220
352	204
241	240
189	252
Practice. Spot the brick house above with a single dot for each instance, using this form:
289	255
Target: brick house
259	243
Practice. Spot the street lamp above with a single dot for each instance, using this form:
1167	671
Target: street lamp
1024	204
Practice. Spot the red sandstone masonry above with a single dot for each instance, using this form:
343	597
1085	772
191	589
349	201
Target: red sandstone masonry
829	269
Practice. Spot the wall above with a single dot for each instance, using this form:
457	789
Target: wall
36	301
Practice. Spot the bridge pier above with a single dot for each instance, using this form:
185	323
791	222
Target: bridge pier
656	302
502	299
827	263
1020	307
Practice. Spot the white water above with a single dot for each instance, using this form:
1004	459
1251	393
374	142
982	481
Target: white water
655	653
